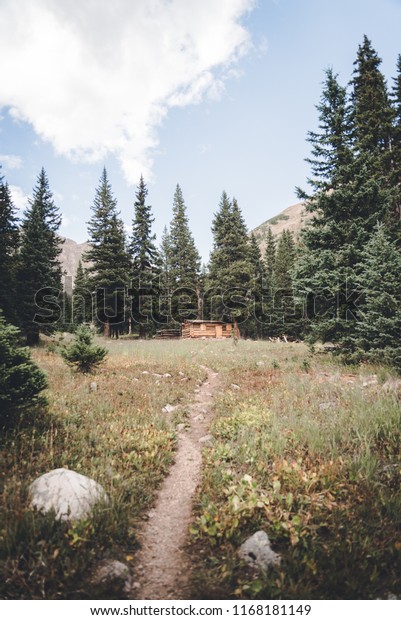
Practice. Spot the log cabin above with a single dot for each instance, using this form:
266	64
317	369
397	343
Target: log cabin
209	329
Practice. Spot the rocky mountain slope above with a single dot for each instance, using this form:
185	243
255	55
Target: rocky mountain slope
71	254
293	218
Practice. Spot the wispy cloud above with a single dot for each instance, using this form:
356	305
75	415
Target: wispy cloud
10	162
99	77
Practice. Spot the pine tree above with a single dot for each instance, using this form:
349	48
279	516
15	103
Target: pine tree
257	319
9	242
81	297
82	354
145	264
230	270
378	332
395	177
270	258
166	285
268	283
110	265
185	263
373	131
21	381
39	269
286	318
371	107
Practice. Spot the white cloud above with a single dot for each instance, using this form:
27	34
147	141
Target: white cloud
99	77
19	198
12	162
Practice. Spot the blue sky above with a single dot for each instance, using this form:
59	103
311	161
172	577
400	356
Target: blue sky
210	95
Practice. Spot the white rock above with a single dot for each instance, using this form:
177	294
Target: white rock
155	374
169	409
145	372
72	496
257	552
234	386
110	571
166	375
182	374
93	386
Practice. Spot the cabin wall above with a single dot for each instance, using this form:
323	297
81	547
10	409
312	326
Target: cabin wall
206	330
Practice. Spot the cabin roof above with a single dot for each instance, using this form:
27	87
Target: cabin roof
211	322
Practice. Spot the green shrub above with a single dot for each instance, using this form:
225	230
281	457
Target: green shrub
21	381
81	353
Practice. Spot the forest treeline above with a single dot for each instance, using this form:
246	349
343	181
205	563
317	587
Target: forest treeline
338	282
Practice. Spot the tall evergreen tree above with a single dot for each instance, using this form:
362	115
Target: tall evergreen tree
378	332
270	258
166	285
185	263
286	318
81	297
371	107
9	242
230	270
110	265
145	263
257	319
268	283
395	178
39	288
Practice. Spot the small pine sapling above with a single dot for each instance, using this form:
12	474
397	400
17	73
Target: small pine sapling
81	353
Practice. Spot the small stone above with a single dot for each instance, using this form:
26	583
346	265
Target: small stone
145	372
199	417
257	552
181	374
206	439
135	379
169	409
167	375
180	427
260	363
234	386
93	386
155	374
110	571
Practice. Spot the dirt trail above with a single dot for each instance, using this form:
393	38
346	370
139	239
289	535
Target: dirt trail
163	567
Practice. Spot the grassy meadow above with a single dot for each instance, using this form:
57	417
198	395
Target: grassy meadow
304	448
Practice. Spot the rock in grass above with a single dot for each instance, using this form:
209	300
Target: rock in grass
169	408
111	572
72	496
206	439
257	552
